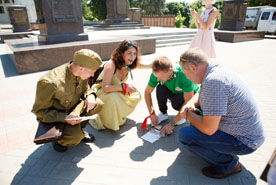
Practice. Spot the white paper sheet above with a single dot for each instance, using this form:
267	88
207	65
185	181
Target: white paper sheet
152	136
84	118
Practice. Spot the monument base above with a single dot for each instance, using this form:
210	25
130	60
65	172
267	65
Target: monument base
121	26
29	55
238	36
17	35
117	20
61	38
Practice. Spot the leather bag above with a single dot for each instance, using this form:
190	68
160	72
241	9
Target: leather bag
49	132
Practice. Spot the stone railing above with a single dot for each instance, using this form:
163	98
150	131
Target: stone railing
158	20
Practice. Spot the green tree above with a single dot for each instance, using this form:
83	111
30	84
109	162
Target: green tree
151	7
98	9
261	3
179	9
179	20
86	11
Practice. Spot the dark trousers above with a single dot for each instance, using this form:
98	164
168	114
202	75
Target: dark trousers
163	94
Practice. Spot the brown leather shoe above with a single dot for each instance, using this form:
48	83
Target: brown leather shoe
212	172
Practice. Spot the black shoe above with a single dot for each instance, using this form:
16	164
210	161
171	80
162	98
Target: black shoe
212	172
88	138
59	148
84	123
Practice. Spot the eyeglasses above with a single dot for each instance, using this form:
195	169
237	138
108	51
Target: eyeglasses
130	44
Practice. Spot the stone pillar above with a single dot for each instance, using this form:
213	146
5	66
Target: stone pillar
233	15
135	15
60	21
117	11
19	18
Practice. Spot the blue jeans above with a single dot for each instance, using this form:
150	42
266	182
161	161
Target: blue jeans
220	150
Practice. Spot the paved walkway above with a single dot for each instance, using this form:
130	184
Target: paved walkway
122	157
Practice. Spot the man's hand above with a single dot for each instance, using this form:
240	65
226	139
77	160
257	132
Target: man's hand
154	120
72	122
90	102
167	129
184	110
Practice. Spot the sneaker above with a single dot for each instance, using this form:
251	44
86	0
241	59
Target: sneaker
88	138
180	122
162	117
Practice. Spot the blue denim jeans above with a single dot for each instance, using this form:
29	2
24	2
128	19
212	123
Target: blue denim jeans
220	150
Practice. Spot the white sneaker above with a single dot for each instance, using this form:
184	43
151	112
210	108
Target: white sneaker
162	117
180	122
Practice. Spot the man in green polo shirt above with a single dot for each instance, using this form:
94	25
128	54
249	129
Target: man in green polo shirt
170	84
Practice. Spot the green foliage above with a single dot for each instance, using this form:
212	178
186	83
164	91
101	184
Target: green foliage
218	5
179	20
181	11
98	9
86	12
149	7
261	3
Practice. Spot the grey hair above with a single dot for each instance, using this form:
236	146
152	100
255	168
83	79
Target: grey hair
194	56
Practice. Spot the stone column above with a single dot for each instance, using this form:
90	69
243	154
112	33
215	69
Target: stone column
60	21
233	15
117	11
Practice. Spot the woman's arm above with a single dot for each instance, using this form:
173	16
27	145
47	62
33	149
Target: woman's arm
210	20
109	69
144	66
192	13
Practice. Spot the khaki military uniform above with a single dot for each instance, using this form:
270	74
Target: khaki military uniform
58	94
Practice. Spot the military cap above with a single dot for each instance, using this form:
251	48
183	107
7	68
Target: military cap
88	59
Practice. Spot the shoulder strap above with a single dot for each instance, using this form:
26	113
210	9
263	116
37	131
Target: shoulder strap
210	12
93	79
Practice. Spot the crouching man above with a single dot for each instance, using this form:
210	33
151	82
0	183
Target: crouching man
230	125
64	93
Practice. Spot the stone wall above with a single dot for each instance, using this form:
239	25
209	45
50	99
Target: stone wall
156	20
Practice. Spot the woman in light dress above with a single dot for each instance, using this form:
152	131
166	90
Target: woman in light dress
205	38
119	98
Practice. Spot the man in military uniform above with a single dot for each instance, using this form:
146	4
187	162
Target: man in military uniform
64	93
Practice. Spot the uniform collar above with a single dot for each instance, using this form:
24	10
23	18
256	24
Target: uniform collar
70	74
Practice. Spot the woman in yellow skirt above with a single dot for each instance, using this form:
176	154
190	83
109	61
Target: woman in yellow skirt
119	98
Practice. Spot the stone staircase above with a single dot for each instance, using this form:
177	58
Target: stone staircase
172	38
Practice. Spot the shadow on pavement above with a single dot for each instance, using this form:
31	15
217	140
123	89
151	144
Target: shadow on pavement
46	166
166	143
106	138
8	66
186	169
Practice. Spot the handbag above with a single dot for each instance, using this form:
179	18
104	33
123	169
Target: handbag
49	132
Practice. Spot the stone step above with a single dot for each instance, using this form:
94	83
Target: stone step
166	37
168	33
173	40
132	24
118	28
172	44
